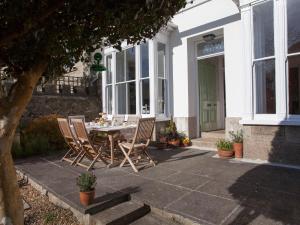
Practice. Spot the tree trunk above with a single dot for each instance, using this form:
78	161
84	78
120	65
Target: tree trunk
11	110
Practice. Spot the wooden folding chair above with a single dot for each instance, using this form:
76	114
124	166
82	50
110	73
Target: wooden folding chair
92	151
133	119
75	151
76	117
140	143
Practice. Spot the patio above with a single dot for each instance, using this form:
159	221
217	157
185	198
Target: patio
188	182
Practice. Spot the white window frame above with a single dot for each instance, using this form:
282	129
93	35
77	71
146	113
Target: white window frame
108	85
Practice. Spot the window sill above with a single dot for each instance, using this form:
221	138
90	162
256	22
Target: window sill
287	122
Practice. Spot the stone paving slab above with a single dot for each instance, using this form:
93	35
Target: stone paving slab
188	182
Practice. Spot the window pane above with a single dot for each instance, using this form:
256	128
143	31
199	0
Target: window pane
108	69
265	87
263	24
145	89
120	66
161	59
121	98
294	85
130	64
293	17
145	59
131	98
211	47
109	99
161	96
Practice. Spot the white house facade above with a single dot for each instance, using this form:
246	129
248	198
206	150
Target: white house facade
218	65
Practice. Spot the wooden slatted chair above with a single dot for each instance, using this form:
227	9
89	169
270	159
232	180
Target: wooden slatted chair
133	119
76	117
92	151
75	151
139	146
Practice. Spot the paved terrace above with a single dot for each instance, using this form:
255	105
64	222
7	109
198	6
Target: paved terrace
188	182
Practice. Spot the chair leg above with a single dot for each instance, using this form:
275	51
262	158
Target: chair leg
67	154
127	158
77	157
80	159
149	157
93	162
124	160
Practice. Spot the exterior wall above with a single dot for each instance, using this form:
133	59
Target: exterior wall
192	23
280	144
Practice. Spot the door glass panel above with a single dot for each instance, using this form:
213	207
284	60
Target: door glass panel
263	29
161	96
294	84
293	19
109	71
161	59
109	99
265	87
211	47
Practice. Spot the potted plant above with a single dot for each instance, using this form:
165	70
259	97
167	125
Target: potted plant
186	142
237	139
224	148
86	183
172	134
163	136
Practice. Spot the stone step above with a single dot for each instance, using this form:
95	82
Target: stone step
154	219
205	143
122	214
213	134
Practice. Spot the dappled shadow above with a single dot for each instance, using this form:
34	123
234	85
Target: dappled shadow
274	195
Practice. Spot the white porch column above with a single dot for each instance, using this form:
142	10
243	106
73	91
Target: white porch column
152	76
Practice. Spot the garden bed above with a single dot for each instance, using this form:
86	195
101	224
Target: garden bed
42	211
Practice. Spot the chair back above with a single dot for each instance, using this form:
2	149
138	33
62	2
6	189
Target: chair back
76	117
133	119
65	128
80	130
144	130
118	120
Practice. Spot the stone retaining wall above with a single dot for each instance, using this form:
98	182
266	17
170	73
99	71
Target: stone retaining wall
62	105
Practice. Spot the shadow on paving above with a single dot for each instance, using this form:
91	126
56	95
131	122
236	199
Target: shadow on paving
275	197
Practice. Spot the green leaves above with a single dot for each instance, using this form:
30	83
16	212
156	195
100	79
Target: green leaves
62	30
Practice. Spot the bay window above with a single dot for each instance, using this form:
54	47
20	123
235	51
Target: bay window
125	81
108	87
293	55
264	58
161	78
144	79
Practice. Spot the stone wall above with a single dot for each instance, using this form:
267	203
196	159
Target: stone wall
279	144
62	105
232	124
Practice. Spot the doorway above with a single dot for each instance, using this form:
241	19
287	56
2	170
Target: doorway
211	93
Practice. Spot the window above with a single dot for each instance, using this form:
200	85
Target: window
161	75
144	80
264	58
293	47
108	87
125	82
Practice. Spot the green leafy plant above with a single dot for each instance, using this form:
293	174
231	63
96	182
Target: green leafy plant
86	182
50	217
171	130
237	137
224	145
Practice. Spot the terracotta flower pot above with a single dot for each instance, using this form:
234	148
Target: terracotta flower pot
225	154
238	150
87	198
174	143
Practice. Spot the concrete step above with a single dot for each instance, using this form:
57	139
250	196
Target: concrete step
122	214
154	219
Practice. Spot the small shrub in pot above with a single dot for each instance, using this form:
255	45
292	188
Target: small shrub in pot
86	183
225	149
237	139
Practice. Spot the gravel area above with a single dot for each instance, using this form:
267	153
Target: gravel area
42	211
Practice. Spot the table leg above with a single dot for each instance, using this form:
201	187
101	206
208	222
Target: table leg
112	155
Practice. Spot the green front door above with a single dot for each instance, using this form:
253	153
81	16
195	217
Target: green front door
208	91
